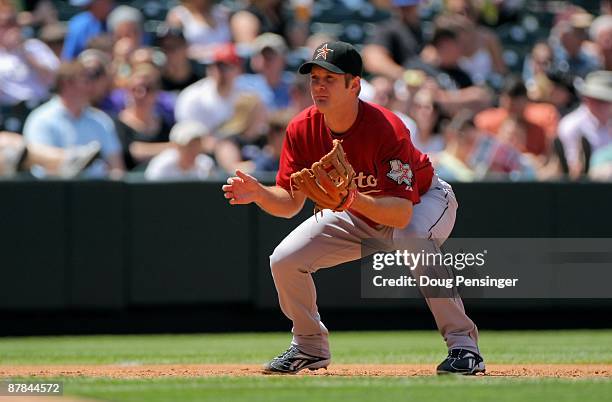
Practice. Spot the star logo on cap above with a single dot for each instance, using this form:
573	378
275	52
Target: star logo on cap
322	52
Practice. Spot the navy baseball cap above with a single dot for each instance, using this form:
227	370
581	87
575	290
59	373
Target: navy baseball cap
337	57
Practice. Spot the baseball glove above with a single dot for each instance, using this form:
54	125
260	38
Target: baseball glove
329	182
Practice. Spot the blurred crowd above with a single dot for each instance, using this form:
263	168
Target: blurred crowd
490	89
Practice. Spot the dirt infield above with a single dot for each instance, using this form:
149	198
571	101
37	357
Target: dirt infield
346	370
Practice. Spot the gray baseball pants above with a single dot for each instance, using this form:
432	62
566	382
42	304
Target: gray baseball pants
335	238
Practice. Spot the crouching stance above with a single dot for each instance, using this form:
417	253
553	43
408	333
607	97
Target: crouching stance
356	162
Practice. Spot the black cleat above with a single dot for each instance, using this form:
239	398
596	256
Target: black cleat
293	360
461	361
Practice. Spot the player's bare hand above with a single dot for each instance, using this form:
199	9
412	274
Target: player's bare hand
242	189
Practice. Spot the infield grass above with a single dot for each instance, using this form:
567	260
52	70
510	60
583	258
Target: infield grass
338	389
425	347
583	346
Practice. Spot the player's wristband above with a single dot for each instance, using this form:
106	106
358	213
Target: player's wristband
348	201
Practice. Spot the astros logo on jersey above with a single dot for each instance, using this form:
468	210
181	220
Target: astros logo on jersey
323	51
401	173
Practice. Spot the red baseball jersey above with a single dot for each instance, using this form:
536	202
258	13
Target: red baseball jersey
378	146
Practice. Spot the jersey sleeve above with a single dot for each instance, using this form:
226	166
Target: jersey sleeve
396	173
288	162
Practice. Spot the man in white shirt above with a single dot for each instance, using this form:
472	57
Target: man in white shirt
211	100
591	121
185	161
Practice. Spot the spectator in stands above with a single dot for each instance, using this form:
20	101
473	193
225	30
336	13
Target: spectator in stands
445	68
536	65
568	37
471	155
513	131
384	95
395	42
428	116
37	13
503	155
147	55
179	71
125	26
123	64
539	61
454	89
601	164
67	120
541	119
242	136
27	66
482	52
164	102
204	24
53	35
299	94
125	23
142	132
184	160
97	67
554	87
269	158
601	34
271	82
211	100
460	137
588	128
113	100
298	27
560	92
413	80
258	17
85	25
103	43
17	156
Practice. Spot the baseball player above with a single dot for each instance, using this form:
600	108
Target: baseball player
392	193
